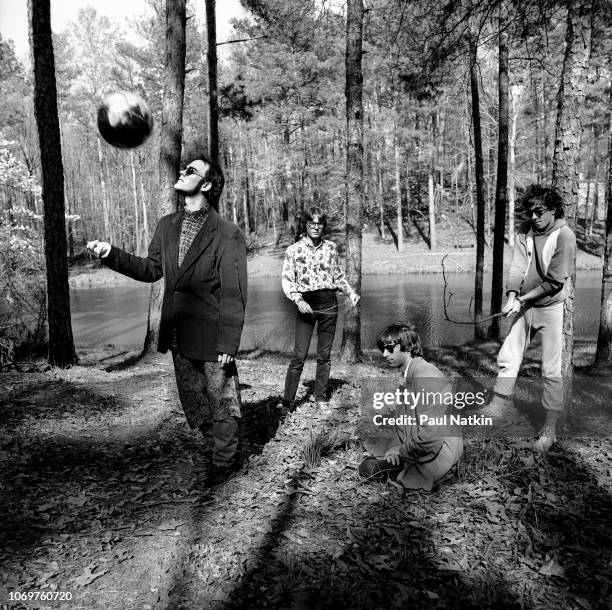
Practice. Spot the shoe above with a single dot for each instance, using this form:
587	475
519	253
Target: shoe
220	474
323	406
374	469
285	406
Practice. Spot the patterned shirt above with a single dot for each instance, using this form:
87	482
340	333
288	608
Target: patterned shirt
192	223
308	267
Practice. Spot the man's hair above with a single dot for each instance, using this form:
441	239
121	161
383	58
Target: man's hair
309	214
214	175
537	195
403	333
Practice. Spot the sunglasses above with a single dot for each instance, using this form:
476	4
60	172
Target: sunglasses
189	171
314	225
388	347
538	212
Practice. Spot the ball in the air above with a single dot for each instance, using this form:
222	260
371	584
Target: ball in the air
124	119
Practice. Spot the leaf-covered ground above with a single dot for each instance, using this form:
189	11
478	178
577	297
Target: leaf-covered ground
99	498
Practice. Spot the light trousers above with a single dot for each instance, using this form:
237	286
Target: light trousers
548	322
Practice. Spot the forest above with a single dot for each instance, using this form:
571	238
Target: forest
417	127
434	77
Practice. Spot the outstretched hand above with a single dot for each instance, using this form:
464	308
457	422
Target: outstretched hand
100	249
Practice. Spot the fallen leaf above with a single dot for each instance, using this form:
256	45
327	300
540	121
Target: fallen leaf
88	576
552	568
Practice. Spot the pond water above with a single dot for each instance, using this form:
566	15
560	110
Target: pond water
117	314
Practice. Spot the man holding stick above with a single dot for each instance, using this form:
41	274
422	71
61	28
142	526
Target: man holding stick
542	262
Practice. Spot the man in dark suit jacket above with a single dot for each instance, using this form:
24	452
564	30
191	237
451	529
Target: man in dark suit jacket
203	260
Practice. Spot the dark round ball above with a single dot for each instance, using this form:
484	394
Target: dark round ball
124	119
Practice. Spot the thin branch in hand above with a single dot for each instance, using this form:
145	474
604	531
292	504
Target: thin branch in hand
448	295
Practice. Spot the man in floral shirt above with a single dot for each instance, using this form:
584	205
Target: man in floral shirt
311	276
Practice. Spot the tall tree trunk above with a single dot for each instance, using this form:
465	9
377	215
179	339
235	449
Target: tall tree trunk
104	187
603	355
517	92
380	193
479	331
213	99
501	190
595	206
432	210
398	192
135	198
170	140
570	105
61	344
145	216
351	332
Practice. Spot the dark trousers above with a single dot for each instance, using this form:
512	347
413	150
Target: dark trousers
210	398
324	304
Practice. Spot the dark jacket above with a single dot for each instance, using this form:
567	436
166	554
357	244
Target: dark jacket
206	296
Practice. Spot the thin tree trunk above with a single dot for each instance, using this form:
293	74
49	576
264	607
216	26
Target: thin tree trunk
432	212
351	332
592	216
570	105
479	331
61	345
398	193
603	355
104	188
517	92
501	190
135	197
213	102
145	216
170	140
381	194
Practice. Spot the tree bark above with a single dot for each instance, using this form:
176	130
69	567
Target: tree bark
479	331
170	140
61	345
570	105
135	197
603	355
213	95
501	189
398	193
432	211
517	92
351	332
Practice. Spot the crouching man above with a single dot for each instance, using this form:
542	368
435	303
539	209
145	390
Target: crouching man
423	450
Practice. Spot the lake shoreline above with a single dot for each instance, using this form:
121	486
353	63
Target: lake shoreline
379	258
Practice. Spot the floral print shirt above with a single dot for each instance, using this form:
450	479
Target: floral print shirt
308	267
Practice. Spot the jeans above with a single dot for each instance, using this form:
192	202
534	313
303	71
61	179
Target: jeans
324	304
